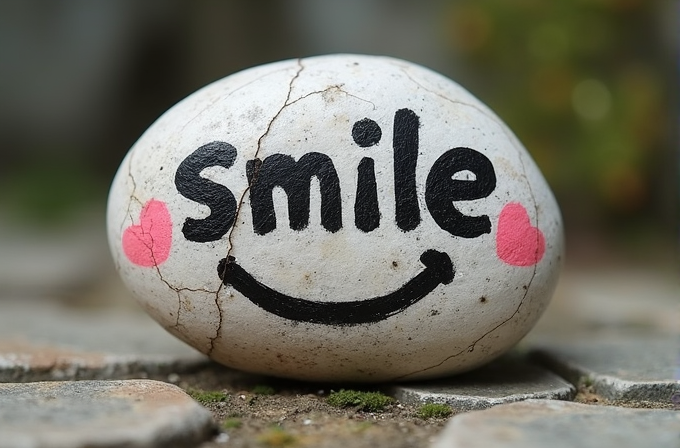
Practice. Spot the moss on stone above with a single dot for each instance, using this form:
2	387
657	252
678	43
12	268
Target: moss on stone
363	401
434	410
232	423
205	397
263	389
277	437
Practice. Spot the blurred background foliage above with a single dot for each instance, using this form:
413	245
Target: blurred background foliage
589	86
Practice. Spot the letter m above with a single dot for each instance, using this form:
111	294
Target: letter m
295	178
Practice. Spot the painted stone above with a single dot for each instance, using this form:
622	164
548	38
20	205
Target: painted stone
339	217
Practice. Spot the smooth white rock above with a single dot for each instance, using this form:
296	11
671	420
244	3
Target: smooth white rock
284	308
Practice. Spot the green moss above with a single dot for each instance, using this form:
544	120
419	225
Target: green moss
277	437
362	426
263	389
205	397
586	381
434	410
363	401
232	423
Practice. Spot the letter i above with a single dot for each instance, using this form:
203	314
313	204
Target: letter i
366	133
405	143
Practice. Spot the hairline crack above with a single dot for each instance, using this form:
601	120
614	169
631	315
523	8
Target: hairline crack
286	103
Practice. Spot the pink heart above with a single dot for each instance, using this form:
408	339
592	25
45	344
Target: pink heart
518	243
148	243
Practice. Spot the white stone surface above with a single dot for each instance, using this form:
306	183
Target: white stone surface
559	424
93	414
409	170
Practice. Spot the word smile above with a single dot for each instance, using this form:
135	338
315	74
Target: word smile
518	243
294	177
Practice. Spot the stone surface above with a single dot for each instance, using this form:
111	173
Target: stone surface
605	299
341	217
54	260
39	340
502	381
637	367
559	424
131	413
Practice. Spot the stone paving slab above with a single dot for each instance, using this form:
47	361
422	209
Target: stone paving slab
53	259
560	424
506	380
40	341
622	299
640	367
74	414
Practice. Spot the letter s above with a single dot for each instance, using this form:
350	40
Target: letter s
217	197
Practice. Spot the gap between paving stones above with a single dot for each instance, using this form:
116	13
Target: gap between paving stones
640	370
628	360
295	403
506	380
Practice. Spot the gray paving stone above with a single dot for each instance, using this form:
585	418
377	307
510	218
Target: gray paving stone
560	424
622	299
505	380
73	414
55	259
640	367
42	341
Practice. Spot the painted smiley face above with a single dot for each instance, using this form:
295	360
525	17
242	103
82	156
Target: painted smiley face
517	242
343	207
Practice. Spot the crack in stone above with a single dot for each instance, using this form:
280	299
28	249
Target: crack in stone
158	270
336	88
487	113
531	191
132	197
221	98
470	348
286	103
177	290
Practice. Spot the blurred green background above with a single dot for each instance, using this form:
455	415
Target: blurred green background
589	86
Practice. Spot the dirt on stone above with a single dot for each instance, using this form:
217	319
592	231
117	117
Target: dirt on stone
586	395
258	411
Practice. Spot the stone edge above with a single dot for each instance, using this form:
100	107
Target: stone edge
607	386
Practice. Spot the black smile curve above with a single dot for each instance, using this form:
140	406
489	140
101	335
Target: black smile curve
438	269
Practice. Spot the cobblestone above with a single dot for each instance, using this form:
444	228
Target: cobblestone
619	367
614	339
504	381
74	414
41	341
558	424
